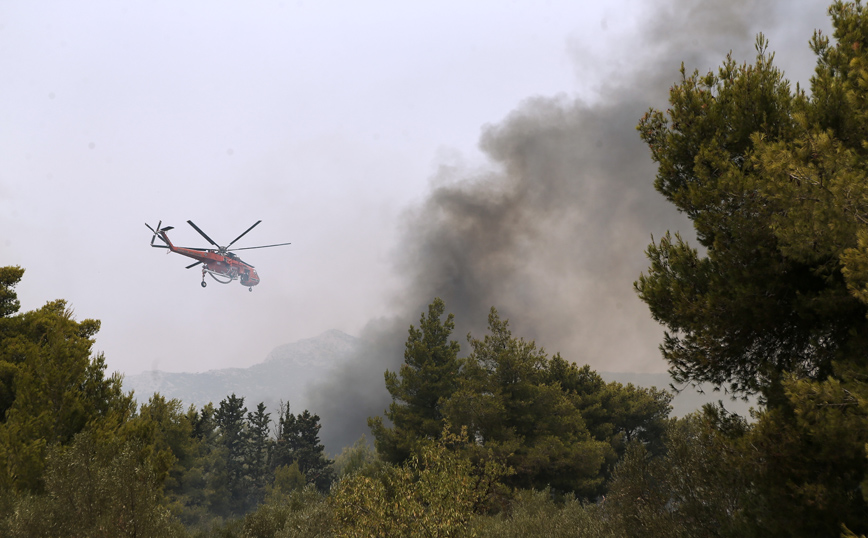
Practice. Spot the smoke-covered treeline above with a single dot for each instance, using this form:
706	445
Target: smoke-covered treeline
552	231
502	438
79	456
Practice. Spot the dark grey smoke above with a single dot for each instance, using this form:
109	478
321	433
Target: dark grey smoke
554	234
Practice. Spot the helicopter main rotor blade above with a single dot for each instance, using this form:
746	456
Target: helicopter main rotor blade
263	246
190	222
192	265
245	233
185	248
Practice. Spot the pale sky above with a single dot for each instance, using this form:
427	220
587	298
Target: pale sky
326	120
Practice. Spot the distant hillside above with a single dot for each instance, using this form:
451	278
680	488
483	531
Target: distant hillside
290	369
285	375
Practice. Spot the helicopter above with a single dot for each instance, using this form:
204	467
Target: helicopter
217	262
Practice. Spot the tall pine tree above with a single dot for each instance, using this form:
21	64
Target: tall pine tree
428	376
776	184
229	418
258	448
51	385
298	443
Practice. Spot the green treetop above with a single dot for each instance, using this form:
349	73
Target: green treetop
768	295
776	183
51	385
429	374
513	409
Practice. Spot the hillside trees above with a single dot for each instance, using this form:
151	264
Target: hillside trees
434	493
775	183
614	413
232	476
74	455
297	442
258	448
51	386
511	409
96	487
555	424
78	456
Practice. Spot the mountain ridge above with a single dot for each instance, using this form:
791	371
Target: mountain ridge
290	370
285	374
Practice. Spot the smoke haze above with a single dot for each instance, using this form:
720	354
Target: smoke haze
552	231
322	120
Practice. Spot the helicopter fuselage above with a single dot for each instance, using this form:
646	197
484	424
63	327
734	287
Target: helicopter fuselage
225	265
216	264
219	261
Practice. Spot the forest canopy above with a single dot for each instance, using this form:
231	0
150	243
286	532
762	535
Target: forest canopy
506	440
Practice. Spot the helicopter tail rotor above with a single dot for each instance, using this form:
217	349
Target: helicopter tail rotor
158	232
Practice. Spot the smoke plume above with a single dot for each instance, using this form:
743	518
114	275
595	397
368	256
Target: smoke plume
552	233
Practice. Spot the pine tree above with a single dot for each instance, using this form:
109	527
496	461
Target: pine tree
513	411
51	385
10	276
229	418
776	184
9	305
428	375
258	448
281	453
310	453
298	444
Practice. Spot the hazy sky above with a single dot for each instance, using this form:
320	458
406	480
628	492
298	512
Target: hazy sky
350	129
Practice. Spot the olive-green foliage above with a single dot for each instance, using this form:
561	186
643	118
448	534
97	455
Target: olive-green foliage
720	476
536	513
183	449
97	488
304	513
695	487
434	493
287	478
10	276
164	433
355	458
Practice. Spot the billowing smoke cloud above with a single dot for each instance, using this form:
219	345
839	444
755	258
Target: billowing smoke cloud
553	233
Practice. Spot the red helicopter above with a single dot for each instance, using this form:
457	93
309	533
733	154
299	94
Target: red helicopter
215	261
